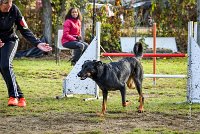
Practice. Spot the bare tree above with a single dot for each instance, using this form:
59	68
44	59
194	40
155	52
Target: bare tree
47	18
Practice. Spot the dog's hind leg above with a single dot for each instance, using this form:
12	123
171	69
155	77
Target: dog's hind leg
123	94
138	84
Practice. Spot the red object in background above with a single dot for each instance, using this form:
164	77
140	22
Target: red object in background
145	55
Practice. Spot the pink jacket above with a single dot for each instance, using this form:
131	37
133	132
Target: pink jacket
71	29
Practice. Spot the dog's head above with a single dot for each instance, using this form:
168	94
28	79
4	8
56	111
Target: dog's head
89	69
138	49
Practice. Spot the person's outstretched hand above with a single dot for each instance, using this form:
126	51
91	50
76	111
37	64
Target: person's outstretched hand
1	43
44	47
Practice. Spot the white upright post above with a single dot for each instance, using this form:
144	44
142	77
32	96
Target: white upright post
193	68
98	37
190	29
195	31
98	33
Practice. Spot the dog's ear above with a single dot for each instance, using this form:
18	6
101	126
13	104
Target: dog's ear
86	61
98	63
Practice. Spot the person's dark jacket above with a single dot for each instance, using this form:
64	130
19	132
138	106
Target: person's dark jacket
13	18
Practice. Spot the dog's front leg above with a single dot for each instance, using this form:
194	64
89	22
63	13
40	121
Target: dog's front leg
105	95
123	94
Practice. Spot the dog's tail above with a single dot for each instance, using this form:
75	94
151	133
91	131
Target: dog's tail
138	50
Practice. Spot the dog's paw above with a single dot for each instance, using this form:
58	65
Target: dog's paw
126	103
140	109
100	114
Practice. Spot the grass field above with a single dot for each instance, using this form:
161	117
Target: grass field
41	81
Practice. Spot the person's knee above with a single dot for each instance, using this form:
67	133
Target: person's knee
81	46
86	46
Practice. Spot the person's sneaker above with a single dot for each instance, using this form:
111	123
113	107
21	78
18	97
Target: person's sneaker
22	102
12	101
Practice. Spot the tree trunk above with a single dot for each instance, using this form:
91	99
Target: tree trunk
60	17
47	19
198	22
62	12
83	24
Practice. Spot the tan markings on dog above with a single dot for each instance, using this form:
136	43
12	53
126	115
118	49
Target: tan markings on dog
88	74
130	83
141	107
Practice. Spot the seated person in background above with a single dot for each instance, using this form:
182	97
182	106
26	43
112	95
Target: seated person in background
72	34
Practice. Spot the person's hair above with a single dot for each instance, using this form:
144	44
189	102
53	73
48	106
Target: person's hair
3	1
69	14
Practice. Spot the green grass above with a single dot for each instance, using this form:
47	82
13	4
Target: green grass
41	81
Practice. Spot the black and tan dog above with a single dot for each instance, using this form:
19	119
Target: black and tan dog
116	75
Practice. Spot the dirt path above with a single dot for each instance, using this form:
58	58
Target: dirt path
89	122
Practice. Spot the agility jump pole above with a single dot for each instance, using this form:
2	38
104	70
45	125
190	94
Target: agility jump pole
147	55
154	55
163	76
154	52
151	55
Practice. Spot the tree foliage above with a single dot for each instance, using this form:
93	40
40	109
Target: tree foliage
172	19
171	16
110	27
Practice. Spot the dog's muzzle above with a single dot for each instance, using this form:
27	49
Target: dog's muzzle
82	76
